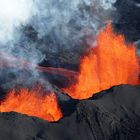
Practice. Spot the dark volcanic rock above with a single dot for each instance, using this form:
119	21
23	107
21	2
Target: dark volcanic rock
113	114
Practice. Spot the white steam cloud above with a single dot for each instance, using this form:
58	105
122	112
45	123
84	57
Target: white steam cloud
13	13
32	29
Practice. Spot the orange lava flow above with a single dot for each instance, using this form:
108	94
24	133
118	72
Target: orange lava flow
111	63
69	74
31	103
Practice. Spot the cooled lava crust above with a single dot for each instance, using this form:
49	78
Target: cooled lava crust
113	114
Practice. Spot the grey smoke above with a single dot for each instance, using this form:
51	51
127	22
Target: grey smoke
63	22
34	29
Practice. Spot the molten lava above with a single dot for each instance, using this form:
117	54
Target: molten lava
9	61
32	103
111	63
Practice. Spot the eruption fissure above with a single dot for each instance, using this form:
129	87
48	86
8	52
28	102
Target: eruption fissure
32	103
111	63
31	30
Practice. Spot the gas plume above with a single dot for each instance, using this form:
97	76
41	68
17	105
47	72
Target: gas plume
36	29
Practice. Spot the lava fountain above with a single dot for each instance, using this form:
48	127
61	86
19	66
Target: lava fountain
33	102
111	63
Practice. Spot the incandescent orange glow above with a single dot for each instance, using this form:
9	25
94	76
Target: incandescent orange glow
111	63
30	102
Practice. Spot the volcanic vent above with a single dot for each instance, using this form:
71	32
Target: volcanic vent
100	69
67	92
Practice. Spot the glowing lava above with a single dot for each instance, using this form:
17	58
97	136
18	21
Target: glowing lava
31	102
111	63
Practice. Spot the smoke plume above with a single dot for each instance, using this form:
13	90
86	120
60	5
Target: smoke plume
34	30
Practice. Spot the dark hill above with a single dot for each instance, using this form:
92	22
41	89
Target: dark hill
113	114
